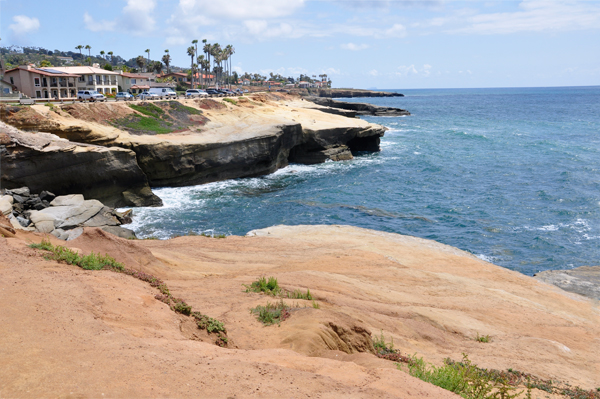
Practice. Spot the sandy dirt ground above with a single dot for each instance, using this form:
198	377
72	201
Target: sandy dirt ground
71	333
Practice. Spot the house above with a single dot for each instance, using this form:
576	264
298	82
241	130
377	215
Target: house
246	82
178	77
66	60
43	82
92	78
132	82
303	84
8	90
182	79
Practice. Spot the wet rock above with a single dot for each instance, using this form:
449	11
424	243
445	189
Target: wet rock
584	280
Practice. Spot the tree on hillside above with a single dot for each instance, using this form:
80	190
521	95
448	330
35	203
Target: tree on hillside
200	60
111	57
191	51
140	61
147	51
79	48
89	49
45	63
102	53
157	66
166	59
206	50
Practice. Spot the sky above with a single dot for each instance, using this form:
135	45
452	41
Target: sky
385	44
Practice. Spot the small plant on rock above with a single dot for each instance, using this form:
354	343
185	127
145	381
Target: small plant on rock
482	338
269	287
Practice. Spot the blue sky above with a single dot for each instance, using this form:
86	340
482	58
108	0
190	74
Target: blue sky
360	43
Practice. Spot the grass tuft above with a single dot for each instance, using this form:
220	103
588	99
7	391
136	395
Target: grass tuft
272	313
230	100
148	109
66	255
483	338
269	287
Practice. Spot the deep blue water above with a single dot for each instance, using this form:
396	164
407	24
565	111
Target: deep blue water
511	175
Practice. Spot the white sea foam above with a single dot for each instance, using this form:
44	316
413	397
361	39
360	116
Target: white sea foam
486	258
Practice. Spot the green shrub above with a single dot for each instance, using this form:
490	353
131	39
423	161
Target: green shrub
180	306
92	261
297	294
230	100
315	305
482	338
148	109
381	347
208	323
270	286
272	313
463	378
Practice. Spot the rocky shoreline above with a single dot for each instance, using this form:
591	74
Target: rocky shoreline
350	93
354	109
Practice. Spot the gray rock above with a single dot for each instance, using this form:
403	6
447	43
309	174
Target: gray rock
584	280
68	200
23	222
67	217
47	196
45	226
24	191
18	198
60	234
105	217
120	231
73	234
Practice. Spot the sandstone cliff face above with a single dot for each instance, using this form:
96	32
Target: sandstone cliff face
236	142
45	162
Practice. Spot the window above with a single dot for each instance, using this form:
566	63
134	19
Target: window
38	94
133	81
12	81
81	79
36	82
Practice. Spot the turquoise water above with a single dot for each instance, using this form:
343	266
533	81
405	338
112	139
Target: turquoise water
510	175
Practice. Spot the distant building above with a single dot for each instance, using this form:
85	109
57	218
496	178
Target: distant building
43	82
132	82
92	78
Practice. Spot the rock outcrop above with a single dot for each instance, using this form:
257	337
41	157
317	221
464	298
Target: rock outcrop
356	108
64	217
43	161
257	137
584	280
347	93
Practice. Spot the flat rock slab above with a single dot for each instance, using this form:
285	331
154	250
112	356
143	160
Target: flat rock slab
68	200
67	217
583	280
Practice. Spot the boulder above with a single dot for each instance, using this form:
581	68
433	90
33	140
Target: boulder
70	216
24	191
47	196
120	232
68	200
73	234
6	205
105	217
43	222
60	234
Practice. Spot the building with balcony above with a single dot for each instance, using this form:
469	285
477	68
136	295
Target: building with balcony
92	78
43	82
132	82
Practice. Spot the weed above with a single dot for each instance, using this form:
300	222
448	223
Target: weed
315	305
145	123
230	100
180	306
270	286
381	347
272	313
297	294
88	262
208	323
463	378
482	338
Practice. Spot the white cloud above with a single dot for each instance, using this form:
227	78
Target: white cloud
331	71
405	70
24	25
373	72
239	9
354	47
136	17
97	26
395	31
535	16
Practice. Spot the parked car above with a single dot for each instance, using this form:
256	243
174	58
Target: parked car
214	92
148	96
163	92
191	93
90	95
227	92
123	95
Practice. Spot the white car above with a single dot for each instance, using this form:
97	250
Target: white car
163	92
191	93
123	95
90	95
148	96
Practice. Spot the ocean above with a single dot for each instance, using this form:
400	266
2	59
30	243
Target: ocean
511	175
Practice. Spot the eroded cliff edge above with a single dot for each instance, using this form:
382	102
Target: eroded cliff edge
211	140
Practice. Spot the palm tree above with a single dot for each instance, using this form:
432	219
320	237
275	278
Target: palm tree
191	51
195	43
206	49
200	60
166	59
102	53
111	57
216	53
157	66
140	61
206	67
79	48
147	51
231	52
89	49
